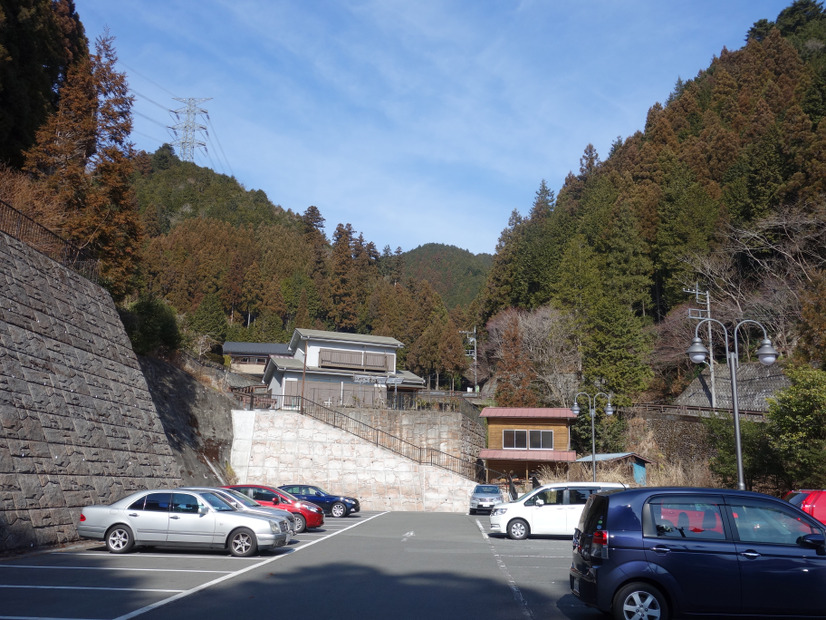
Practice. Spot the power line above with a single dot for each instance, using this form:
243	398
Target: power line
220	148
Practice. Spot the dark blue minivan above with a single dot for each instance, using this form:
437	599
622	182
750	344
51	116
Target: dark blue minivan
663	552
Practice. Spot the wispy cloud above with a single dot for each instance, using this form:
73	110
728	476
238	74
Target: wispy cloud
416	122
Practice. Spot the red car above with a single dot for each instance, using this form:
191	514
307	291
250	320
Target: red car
810	501
306	514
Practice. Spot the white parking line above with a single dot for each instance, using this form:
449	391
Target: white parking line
84	588
209	584
113	568
517	593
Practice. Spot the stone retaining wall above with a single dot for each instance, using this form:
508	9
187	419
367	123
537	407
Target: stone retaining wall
276	447
77	423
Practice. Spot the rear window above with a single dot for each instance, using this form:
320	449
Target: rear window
594	515
795	499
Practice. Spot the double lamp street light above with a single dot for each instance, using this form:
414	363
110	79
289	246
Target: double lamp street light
592	404
767	355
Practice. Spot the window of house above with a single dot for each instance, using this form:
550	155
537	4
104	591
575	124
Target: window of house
541	440
514	439
357	360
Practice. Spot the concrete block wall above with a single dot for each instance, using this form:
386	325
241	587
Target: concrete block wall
451	432
277	447
77	423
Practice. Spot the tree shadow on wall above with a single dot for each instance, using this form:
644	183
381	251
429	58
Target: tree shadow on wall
197	421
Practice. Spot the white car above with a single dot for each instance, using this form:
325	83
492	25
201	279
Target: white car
179	518
551	510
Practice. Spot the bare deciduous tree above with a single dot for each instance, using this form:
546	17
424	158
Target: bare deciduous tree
759	272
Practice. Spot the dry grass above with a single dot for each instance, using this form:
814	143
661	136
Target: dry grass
660	472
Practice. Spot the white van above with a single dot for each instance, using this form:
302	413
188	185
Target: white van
552	509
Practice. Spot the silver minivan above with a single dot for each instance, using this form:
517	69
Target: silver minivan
552	509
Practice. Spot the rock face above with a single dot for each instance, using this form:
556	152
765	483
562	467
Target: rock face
77	423
197	420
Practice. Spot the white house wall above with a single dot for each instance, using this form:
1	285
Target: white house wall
276	447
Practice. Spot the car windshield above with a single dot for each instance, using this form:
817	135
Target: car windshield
288	495
318	491
487	488
241	498
216	502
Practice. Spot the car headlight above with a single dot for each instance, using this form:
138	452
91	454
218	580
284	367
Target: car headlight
348	501
498	511
274	527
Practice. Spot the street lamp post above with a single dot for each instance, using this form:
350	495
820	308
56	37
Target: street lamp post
592	403
767	356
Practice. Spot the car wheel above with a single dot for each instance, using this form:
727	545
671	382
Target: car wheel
518	529
640	601
242	543
338	510
300	523
119	539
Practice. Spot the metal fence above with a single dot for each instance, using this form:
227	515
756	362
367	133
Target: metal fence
426	456
23	228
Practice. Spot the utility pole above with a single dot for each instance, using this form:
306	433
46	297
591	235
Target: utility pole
188	127
701	314
471	353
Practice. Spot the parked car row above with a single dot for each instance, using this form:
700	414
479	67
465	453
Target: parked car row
307	515
675	551
551	509
184	517
663	552
241	519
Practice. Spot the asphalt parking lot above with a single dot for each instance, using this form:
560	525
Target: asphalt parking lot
369	565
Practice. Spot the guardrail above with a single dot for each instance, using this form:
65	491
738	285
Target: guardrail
23	228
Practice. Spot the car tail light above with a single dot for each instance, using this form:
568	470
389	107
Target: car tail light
82	517
599	544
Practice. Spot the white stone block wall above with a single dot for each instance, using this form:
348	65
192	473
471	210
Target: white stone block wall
276	447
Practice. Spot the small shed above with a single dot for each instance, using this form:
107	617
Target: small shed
635	462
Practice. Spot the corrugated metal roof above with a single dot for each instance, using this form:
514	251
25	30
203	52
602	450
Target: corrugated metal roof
612	456
317	334
296	365
527	412
256	348
542	456
755	384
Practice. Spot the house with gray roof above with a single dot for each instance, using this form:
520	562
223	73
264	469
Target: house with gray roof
756	383
338	369
251	357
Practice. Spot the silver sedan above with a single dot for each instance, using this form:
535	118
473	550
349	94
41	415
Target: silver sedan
175	517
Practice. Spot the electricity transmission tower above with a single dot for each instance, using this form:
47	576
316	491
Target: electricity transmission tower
470	351
185	130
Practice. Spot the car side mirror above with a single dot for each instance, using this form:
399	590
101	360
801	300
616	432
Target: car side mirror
202	510
540	502
814	541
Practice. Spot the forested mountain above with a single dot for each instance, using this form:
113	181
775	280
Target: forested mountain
456	274
723	187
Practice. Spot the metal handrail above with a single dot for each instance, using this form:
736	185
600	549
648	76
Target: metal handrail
376	436
25	229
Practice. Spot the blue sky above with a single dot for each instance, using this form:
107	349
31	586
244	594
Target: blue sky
415	122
